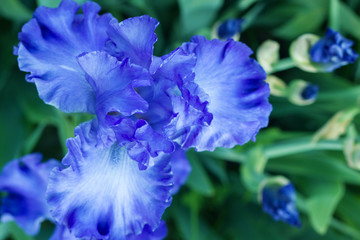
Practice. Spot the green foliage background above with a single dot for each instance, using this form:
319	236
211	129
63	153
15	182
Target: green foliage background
219	200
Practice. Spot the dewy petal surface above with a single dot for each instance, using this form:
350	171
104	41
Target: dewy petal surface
133	38
103	194
24	183
233	84
49	45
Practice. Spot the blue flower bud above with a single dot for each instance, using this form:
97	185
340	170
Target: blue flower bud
310	92
302	93
278	200
333	51
229	28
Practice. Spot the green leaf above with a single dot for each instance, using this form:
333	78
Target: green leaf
334	14
33	138
322	204
36	111
304	22
17	233
349	20
197	14
14	10
198	179
349	209
4	230
252	171
54	3
244	4
181	217
216	167
318	165
11	128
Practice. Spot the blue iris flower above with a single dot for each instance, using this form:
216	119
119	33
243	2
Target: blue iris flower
279	202
124	165
229	28
23	185
333	51
225	102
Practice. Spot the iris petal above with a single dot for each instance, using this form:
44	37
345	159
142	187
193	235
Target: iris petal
24	183
141	140
62	233
49	45
103	194
133	38
236	92
113	83
180	167
148	234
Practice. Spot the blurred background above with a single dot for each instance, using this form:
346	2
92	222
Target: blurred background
314	145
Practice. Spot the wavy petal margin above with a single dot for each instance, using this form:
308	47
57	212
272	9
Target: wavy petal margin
236	90
143	143
133	38
49	45
103	194
148	234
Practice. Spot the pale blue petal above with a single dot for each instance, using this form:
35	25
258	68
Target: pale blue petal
103	194
133	38
49	45
237	95
113	84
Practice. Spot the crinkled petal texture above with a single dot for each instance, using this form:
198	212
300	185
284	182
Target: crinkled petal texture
231	86
103	194
49	45
148	234
24	183
133	38
176	68
113	83
142	142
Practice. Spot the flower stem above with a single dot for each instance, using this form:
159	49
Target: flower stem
281	149
283	64
33	139
301	145
251	15
344	228
351	92
334	14
65	130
